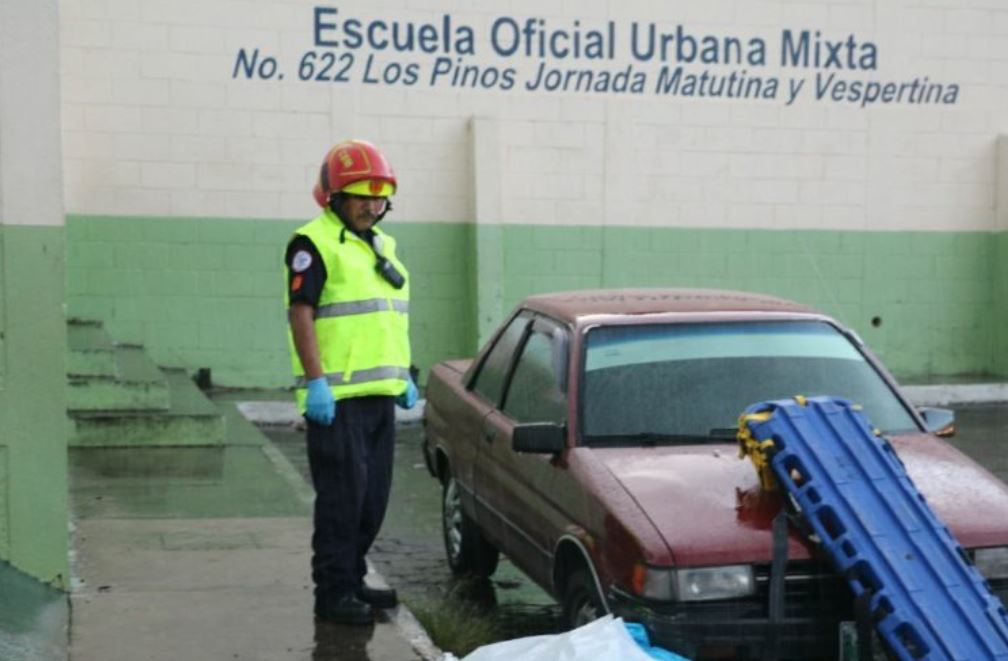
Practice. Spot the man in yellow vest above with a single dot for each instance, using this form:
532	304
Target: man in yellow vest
348	304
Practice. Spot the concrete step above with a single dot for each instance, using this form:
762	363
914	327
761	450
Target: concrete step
189	419
136	385
91	350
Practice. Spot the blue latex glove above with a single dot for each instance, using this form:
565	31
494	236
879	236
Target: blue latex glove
408	398
320	406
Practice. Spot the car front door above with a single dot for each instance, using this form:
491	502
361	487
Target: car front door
486	392
518	489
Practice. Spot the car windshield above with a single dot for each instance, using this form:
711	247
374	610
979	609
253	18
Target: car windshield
688	383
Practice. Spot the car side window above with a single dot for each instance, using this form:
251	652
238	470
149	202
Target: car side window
489	382
534	394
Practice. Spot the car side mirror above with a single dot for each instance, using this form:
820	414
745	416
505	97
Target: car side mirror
539	438
938	421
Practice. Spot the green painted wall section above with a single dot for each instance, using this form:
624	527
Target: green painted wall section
1000	287
5	544
33	426
207	292
3	326
930	293
200	292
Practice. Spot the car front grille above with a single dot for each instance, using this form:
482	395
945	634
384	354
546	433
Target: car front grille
814	587
809	587
999	586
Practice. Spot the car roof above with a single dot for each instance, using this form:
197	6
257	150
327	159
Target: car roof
572	305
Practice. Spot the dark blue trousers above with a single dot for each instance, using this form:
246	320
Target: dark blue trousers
351	468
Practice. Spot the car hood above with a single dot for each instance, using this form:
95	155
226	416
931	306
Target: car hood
708	506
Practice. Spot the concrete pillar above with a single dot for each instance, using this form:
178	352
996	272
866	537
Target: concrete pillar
33	427
488	248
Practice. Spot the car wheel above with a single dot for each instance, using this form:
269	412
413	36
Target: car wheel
581	601
468	552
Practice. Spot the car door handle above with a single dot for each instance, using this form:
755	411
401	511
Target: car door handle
489	435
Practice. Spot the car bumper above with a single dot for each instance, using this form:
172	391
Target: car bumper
808	629
731	629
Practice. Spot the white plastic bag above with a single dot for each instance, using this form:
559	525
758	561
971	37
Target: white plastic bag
605	639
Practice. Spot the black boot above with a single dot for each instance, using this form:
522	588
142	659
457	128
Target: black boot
378	597
344	609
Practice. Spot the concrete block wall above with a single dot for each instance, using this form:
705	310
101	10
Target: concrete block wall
869	210
203	292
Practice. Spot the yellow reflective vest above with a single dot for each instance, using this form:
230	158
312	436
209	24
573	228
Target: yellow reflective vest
361	321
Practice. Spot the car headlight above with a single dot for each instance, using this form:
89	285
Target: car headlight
992	563
694	584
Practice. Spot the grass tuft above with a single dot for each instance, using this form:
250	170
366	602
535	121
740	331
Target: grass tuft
455	625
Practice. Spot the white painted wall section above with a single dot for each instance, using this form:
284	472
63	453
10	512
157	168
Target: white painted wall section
217	109
1001	200
31	187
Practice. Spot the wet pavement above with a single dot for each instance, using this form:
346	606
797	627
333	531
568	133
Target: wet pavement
33	618
409	551
173	482
203	553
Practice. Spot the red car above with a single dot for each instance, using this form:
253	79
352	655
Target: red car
592	441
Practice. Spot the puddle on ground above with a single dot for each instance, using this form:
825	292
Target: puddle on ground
33	618
178	482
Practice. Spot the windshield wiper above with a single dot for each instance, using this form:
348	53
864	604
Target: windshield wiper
648	439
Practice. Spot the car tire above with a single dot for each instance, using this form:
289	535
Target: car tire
468	552
581	601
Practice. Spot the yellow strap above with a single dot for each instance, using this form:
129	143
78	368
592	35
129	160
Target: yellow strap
757	450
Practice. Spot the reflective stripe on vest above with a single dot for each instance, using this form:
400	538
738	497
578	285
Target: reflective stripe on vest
361	321
360	307
361	376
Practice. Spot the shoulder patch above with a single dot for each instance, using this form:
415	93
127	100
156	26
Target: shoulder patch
301	261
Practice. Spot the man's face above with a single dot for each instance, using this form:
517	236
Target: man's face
361	212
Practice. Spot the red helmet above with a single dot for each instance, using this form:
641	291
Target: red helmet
356	167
